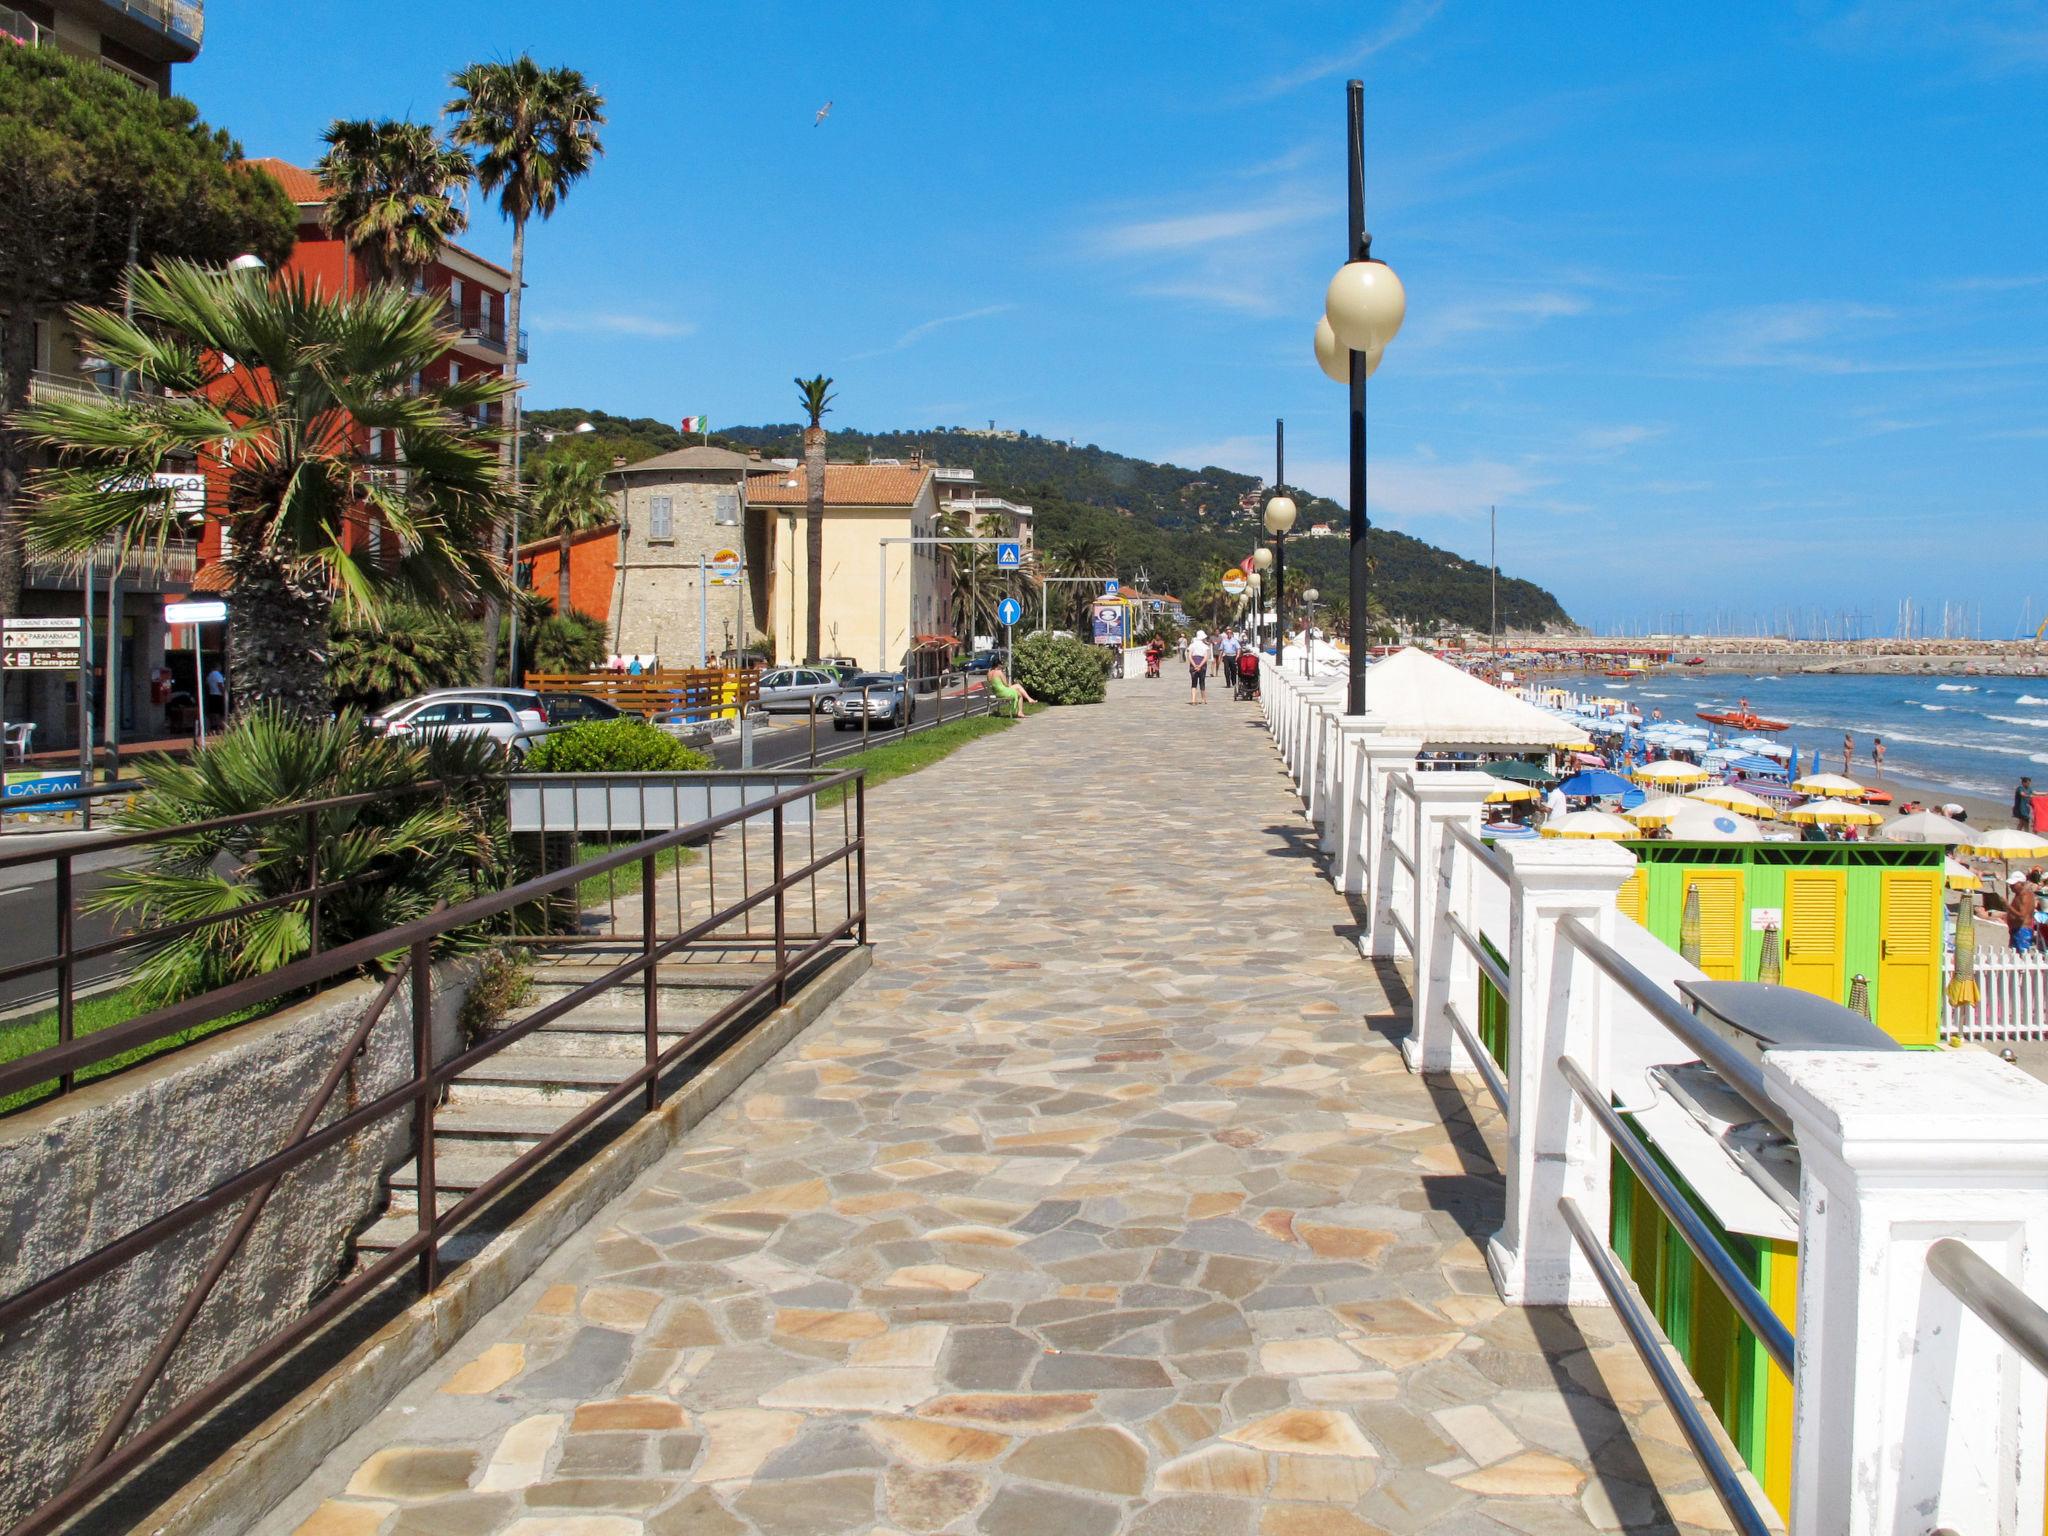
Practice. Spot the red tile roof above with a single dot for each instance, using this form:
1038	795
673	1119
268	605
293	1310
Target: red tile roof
846	485
300	184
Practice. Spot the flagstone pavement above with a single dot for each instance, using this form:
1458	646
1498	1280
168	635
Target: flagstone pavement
1102	1204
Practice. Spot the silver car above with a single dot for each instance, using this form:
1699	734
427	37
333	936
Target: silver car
497	719
797	690
885	696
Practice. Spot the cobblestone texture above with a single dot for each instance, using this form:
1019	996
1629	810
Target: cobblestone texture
1103	1204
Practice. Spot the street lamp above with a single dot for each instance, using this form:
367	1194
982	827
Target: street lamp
1362	311
1308	627
1280	513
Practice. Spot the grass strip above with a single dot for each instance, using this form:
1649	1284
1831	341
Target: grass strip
38	1032
907	754
624	881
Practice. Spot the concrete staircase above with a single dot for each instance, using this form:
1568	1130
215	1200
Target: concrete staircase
510	1101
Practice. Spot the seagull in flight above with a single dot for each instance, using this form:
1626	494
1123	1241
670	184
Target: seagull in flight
823	112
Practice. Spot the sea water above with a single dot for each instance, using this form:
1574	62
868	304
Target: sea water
1974	735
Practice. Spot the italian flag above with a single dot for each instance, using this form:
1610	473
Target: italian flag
695	424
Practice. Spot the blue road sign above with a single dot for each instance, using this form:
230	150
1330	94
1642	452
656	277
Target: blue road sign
1009	556
1009	610
1110	587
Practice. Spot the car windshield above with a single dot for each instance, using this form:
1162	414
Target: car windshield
874	680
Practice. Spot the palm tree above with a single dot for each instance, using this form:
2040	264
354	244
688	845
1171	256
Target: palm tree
977	585
817	400
391	194
534	132
272	387
568	498
1082	555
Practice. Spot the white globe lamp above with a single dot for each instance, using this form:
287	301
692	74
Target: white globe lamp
1262	557
1365	305
1280	513
1335	360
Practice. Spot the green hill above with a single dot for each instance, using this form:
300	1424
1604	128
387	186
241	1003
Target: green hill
1179	526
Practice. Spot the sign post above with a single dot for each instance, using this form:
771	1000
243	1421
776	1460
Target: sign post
1009	555
1009	610
39	645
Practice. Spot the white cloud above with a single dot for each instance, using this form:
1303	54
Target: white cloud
1503	312
917	333
1216	226
1409	20
604	323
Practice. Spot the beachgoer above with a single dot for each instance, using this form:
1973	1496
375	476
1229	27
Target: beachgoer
1877	757
2022	896
1198	668
1848	752
2023	805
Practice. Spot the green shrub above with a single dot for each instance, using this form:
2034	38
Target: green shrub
407	650
1059	669
624	745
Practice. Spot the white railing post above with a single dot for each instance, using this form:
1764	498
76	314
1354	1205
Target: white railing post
1910	1414
1301	736
1376	758
1443	883
1557	1006
1389	876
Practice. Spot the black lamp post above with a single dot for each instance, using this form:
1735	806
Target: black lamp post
1361	313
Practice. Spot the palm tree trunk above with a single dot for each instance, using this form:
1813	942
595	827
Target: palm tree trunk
278	633
814	544
494	617
562	574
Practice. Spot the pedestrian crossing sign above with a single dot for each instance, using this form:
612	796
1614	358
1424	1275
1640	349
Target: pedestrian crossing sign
1009	555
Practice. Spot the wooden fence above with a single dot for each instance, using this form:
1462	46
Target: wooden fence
701	693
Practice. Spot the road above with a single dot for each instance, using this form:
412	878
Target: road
28	928
787	740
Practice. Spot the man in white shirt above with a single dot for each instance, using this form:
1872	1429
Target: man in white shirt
1198	667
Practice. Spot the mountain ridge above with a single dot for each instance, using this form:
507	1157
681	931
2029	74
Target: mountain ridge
1182	527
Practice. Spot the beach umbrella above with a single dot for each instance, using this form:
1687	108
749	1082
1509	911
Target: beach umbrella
1757	766
1510	794
1594	783
1962	987
1859	995
1762	746
1599	824
1959	876
1768	967
1927	827
1656	811
1832	785
1689	927
1699	823
1731	797
2004	843
1665	771
1837	813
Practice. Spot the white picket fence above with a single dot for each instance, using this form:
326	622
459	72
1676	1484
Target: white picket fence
2012	998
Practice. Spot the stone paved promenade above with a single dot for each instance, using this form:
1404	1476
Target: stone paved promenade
1103	1204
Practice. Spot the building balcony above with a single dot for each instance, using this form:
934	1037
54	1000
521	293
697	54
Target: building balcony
45	386
142	570
182	21
17	28
481	333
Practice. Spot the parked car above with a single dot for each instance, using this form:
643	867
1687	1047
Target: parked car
574	708
497	719
888	701
797	690
524	701
979	663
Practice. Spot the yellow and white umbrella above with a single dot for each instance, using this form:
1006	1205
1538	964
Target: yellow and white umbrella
1657	811
1731	797
2006	843
1589	824
1668	770
1835	813
1511	794
1959	876
1831	786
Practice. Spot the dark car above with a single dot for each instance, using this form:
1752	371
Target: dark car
885	696
980	662
574	708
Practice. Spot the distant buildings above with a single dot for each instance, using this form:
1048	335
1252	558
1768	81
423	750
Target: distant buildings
650	574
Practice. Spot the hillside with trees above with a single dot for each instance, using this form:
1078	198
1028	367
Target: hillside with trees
1181	528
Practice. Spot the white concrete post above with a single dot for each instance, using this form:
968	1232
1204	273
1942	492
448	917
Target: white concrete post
1342	776
1443	882
1397	830
1299	735
1276	694
1556	1007
1324	714
1910	1414
1377	757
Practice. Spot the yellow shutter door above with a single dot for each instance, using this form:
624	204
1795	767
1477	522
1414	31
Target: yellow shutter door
1720	921
1815	900
1909	956
1633	897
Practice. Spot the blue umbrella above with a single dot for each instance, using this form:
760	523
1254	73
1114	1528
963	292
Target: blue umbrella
1595	782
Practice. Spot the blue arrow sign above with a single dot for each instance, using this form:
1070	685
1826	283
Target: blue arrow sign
1009	610
1009	556
1110	587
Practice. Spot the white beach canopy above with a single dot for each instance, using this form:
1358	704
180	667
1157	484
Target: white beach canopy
1700	822
1600	824
1411	693
1928	827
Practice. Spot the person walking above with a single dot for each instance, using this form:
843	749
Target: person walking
1877	757
1848	752
1226	657
1198	667
2023	805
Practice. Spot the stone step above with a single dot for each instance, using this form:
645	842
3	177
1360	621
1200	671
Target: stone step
519	1076
461	1172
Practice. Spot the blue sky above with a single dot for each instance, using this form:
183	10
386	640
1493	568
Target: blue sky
1732	310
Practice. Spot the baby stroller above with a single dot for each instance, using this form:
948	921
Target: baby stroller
1247	676
1153	653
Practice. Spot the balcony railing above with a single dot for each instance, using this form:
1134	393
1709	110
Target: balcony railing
15	27
481	330
179	18
153	569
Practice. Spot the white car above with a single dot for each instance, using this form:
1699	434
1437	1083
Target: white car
465	714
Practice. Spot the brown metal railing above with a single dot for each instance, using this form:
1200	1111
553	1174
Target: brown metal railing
112	1456
69	954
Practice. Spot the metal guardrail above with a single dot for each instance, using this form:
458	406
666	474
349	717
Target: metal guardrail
1733	1068
2000	1305
113	1457
1654	1350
